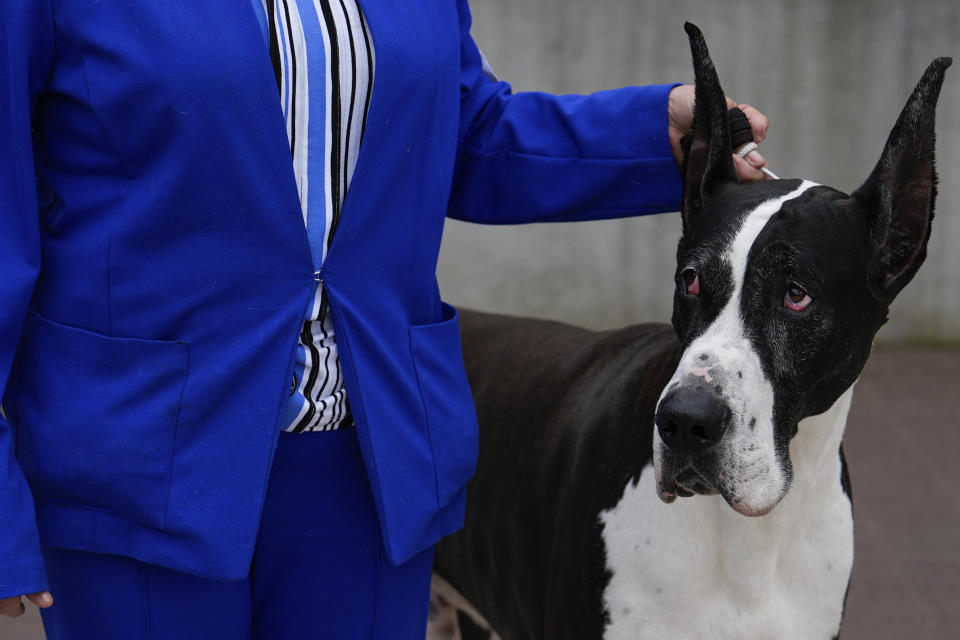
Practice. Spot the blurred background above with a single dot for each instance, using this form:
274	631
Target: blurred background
832	77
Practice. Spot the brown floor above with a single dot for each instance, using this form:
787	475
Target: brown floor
903	449
902	446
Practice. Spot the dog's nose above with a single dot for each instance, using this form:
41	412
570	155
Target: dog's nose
690	420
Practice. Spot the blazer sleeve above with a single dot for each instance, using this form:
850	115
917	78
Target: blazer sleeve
536	157
26	45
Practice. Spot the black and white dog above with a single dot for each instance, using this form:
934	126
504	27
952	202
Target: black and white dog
573	527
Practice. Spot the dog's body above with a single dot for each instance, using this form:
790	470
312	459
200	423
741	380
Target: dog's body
533	519
587	438
566	537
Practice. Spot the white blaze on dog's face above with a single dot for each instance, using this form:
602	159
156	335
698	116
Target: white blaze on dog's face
777	319
743	462
781	286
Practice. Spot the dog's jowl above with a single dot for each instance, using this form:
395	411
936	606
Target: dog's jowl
649	483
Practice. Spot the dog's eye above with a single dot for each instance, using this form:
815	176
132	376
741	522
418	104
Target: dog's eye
796	299
692	281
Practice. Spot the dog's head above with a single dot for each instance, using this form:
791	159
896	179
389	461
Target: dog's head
781	286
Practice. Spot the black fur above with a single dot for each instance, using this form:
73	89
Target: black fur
567	414
900	192
707	163
881	232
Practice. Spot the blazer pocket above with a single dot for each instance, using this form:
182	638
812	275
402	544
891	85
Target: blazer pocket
97	418
447	402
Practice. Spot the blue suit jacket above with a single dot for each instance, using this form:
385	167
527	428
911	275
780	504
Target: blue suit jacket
154	268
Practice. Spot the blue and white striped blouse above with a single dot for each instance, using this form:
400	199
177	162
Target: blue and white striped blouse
323	58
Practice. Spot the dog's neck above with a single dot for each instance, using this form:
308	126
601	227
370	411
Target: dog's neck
815	489
797	558
815	456
815	450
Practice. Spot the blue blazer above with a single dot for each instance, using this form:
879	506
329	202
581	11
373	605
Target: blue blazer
154	268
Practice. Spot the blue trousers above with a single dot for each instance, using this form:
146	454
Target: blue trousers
319	569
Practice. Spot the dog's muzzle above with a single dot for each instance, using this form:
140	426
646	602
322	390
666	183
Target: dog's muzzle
691	422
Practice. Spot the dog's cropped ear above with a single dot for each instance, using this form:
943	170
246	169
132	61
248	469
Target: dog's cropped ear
707	160
899	194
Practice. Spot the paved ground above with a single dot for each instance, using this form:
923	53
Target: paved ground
902	445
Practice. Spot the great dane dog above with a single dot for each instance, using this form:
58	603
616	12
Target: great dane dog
587	439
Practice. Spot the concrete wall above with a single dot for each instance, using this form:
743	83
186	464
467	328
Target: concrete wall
832	75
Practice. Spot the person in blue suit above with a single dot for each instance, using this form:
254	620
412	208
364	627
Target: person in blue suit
234	400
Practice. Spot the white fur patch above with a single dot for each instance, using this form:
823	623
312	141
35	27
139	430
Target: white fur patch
753	478
697	569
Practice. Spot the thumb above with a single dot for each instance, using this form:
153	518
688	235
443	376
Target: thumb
43	599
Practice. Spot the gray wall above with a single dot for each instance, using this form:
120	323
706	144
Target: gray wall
831	75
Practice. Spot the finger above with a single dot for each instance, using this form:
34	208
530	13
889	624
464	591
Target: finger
680	106
755	159
746	172
42	599
11	607
759	123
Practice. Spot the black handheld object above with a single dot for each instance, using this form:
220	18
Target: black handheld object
740	131
741	136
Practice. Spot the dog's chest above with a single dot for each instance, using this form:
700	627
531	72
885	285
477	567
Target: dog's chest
696	569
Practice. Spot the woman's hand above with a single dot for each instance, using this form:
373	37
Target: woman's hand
13	606
680	119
